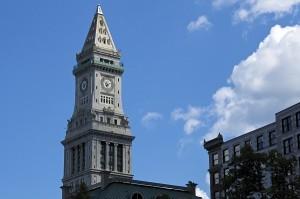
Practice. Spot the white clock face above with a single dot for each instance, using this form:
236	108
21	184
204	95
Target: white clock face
83	85
107	84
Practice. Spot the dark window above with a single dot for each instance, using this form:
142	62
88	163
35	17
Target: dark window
120	158
286	124
108	120
288	146
116	122
298	119
217	195
298	141
215	159
78	158
103	155
137	196
73	160
111	157
226	155
260	142
237	150
272	138
226	172
216	178
83	156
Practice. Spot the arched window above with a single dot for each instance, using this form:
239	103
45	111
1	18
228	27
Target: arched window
137	196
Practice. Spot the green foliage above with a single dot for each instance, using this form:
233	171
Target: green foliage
283	180
82	193
245	177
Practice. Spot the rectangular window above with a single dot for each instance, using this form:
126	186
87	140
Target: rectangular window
237	150
116	122
106	99
286	124
215	159
73	160
272	138
226	155
78	158
226	172
217	195
103	155
83	157
216	178
288	146
260	142
120	158
298	119
111	157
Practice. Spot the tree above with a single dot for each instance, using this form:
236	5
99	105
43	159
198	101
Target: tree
82	192
284	183
245	178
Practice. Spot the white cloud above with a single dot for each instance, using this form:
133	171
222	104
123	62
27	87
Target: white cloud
266	82
201	193
191	118
248	10
201	23
182	145
207	178
150	117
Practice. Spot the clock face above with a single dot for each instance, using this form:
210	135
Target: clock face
84	85
107	84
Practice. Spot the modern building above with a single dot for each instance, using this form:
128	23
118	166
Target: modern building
283	135
98	141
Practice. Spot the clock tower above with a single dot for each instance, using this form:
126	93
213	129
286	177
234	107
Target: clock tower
97	145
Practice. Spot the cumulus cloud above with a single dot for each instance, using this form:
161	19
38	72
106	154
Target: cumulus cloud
251	9
200	23
150	117
265	82
201	193
191	118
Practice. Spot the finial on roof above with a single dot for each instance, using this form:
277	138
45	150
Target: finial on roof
99	9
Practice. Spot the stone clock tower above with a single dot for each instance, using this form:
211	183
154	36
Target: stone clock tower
98	141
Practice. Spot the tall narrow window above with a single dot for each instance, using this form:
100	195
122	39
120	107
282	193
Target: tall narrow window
111	156
286	124
103	155
78	158
73	161
216	178
298	141
272	138
215	159
83	157
120	158
260	142
237	150
298	119
287	146
226	155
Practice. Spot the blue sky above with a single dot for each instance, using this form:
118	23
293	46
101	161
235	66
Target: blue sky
193	68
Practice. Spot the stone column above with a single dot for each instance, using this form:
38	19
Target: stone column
107	156
115	157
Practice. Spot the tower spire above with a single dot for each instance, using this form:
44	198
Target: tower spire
99	35
99	9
